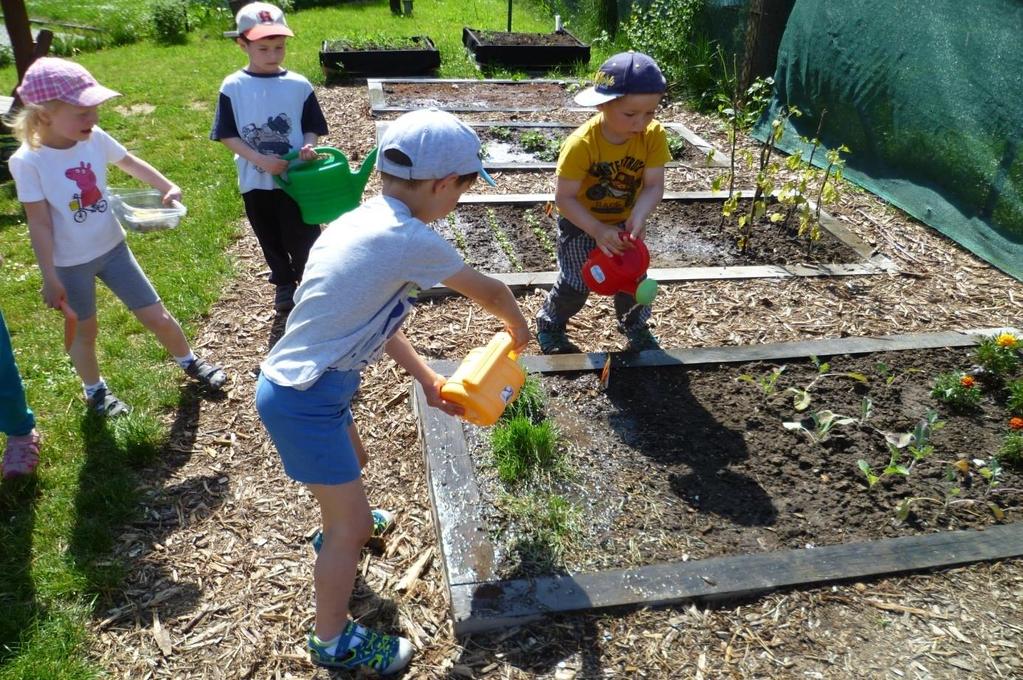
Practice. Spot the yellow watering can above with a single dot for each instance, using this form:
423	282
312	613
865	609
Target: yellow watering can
487	381
325	188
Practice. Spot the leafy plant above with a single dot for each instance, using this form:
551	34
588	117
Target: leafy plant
521	447
544	147
998	355
502	240
819	425
1011	451
958	390
501	133
1014	402
456	233
677	145
767	382
541	234
170	21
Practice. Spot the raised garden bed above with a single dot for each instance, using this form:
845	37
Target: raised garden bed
412	56
513	236
687	484
398	95
527	51
515	145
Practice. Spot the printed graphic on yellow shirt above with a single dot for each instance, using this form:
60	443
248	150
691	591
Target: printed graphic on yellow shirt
616	185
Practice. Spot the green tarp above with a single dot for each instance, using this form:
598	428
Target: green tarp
928	95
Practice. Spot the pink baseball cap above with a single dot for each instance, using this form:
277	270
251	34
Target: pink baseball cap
258	20
49	78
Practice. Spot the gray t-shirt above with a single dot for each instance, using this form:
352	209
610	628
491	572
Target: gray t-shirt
360	281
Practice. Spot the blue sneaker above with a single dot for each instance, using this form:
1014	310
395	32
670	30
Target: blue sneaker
383	520
384	654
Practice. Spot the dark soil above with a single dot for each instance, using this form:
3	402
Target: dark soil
679	234
503	39
481	95
675	463
541	145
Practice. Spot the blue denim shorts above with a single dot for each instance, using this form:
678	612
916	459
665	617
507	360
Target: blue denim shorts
310	427
119	270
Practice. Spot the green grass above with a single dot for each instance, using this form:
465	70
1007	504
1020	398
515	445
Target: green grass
523	449
57	571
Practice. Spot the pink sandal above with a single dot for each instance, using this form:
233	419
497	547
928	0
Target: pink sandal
21	455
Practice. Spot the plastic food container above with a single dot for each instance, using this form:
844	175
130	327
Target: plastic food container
143	210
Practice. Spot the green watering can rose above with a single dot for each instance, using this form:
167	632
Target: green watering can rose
325	188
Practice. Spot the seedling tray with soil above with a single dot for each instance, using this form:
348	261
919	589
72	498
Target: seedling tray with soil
463	95
515	145
513	237
687	483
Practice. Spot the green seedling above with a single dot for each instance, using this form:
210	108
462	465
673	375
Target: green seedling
801	395
1014	402
541	234
502	240
866	410
545	148
819	425
768	382
865	468
501	133
456	233
677	145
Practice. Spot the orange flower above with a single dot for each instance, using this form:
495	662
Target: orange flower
1016	423
967	381
1006	340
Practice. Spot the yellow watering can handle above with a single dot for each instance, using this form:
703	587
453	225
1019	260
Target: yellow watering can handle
504	345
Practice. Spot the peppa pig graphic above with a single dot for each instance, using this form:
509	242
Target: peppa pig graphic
88	198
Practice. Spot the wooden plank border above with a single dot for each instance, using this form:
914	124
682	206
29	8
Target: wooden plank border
873	262
479	602
717	159
378	99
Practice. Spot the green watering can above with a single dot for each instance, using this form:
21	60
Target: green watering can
325	188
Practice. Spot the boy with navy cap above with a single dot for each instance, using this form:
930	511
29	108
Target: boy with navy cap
610	178
361	279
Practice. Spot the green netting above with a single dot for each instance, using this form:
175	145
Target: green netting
927	95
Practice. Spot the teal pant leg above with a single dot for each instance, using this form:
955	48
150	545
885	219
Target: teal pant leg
16	417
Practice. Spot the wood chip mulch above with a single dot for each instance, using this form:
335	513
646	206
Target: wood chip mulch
219	566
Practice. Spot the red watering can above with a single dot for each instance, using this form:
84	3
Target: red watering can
622	273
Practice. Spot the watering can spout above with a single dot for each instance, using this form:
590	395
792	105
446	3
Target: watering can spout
325	188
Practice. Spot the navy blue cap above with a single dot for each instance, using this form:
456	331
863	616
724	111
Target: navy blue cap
624	73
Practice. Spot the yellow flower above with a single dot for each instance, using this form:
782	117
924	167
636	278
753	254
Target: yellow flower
1006	340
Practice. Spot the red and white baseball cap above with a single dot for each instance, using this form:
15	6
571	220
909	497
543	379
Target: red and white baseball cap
50	78
258	20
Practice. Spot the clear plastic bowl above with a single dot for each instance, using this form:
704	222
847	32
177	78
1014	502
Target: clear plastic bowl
143	210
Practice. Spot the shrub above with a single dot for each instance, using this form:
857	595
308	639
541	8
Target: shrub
170	21
1015	401
1011	452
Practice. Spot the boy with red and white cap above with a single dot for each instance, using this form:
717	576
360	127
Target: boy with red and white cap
610	178
264	112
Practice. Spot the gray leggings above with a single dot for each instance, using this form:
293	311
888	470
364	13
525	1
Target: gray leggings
569	293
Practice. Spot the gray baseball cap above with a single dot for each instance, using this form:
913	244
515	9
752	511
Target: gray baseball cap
437	143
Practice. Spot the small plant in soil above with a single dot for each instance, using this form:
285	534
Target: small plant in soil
550	517
457	235
545	148
957	389
768	382
999	355
1014	402
502	240
374	41
819	425
521	448
677	145
501	133
541	234
1011	452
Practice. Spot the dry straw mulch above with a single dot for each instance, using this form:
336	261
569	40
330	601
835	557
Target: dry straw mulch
220	567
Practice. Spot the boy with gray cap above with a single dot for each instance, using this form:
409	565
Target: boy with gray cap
610	178
362	276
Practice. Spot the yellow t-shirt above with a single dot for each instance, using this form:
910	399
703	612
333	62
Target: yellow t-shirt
611	174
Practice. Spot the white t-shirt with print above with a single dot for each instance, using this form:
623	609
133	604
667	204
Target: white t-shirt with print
73	182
